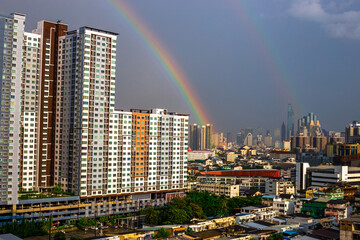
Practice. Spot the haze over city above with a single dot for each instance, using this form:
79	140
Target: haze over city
244	68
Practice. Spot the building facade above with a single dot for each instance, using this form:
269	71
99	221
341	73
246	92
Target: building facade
229	190
195	136
59	125
352	133
350	228
279	186
11	55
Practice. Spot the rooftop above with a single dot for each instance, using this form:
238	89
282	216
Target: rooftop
9	236
206	234
353	218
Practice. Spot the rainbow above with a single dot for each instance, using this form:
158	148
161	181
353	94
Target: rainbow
166	61
276	68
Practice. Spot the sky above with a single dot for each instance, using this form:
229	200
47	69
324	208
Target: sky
245	60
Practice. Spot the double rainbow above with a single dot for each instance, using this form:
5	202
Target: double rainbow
166	61
275	65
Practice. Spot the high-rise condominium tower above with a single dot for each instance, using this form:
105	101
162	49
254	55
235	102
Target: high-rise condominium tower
29	67
11	126
59	125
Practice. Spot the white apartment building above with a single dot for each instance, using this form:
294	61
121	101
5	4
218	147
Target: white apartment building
279	186
300	176
85	102
31	81
59	124
26	114
111	151
284	207
11	126
324	175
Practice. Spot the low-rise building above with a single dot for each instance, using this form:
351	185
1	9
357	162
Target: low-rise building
250	193
306	224
200	155
261	212
339	209
325	192
350	228
314	207
202	226
267	200
247	151
244	182
229	190
281	155
279	186
357	200
321	207
231	156
299	204
205	235
284	206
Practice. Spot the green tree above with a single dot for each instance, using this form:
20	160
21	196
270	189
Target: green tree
82	223
57	189
162	233
197	211
104	219
59	236
152	216
177	216
211	204
47	225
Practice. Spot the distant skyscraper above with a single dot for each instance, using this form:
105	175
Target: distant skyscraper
309	125
290	123
283	132
239	138
277	134
248	140
195	135
268	139
209	143
259	139
306	120
229	137
248	130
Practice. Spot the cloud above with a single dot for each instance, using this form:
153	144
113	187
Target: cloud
345	24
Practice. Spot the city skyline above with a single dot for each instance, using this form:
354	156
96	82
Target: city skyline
191	120
214	54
